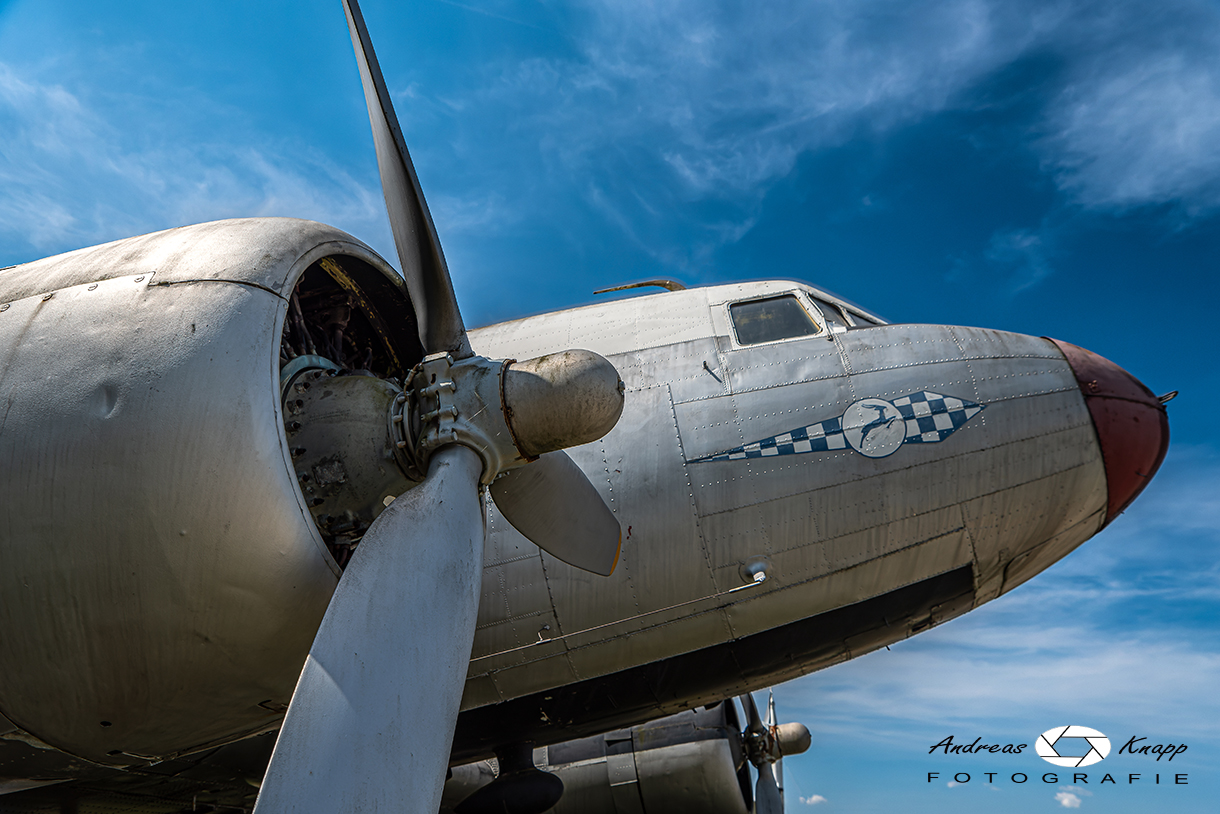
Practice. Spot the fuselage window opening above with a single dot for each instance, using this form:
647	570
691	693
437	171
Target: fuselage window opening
771	320
859	320
833	315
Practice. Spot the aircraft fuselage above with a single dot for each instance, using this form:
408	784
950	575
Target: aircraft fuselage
730	456
797	484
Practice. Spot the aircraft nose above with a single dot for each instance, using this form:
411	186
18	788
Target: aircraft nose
1131	423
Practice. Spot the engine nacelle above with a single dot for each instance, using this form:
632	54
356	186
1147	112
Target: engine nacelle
148	480
692	761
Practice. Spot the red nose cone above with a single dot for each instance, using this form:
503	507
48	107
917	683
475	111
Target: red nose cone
1132	427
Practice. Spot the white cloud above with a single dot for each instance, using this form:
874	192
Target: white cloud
1102	639
659	107
695	101
1067	799
58	149
813	799
734	92
1144	136
1137	120
1182	499
1070	796
1002	680
665	106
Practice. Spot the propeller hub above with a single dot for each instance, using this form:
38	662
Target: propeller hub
509	413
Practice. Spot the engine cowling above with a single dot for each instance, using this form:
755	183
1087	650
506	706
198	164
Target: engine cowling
148	479
692	761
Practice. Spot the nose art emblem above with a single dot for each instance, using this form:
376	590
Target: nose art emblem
873	427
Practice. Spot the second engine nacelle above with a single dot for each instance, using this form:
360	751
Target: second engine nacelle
692	761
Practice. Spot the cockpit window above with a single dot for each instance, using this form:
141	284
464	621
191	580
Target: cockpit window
860	320
771	319
832	313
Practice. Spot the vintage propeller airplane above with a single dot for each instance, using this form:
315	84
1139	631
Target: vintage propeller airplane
232	449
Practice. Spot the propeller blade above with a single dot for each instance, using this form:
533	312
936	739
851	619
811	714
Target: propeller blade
371	722
419	250
754	724
767	796
554	505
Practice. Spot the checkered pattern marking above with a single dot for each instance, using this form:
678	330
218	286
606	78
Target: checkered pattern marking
930	417
820	437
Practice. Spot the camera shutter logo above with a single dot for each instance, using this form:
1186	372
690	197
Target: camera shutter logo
1051	741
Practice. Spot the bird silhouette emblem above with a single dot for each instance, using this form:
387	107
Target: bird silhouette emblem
882	420
873	427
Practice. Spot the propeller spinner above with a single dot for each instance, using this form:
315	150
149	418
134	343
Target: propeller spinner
371	722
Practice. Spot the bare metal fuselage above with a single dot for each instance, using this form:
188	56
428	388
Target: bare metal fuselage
862	551
163	578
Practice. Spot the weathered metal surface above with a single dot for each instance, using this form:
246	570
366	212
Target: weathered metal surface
552	503
337	432
372	716
1132	424
837	525
706	676
1013	488
163	577
684	762
671	318
462	402
560	400
261	252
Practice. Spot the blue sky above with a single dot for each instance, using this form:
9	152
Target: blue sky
1049	168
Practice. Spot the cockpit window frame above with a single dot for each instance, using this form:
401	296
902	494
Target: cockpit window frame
811	310
857	317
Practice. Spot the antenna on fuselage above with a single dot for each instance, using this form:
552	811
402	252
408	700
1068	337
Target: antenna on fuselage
668	285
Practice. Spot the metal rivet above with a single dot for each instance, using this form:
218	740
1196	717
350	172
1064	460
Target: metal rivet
93	286
4	307
140	279
47	297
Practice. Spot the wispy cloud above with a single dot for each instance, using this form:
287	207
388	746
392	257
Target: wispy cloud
1067	799
666	109
59	149
1021	255
1040	675
675	118
668	103
1117	636
1138	117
